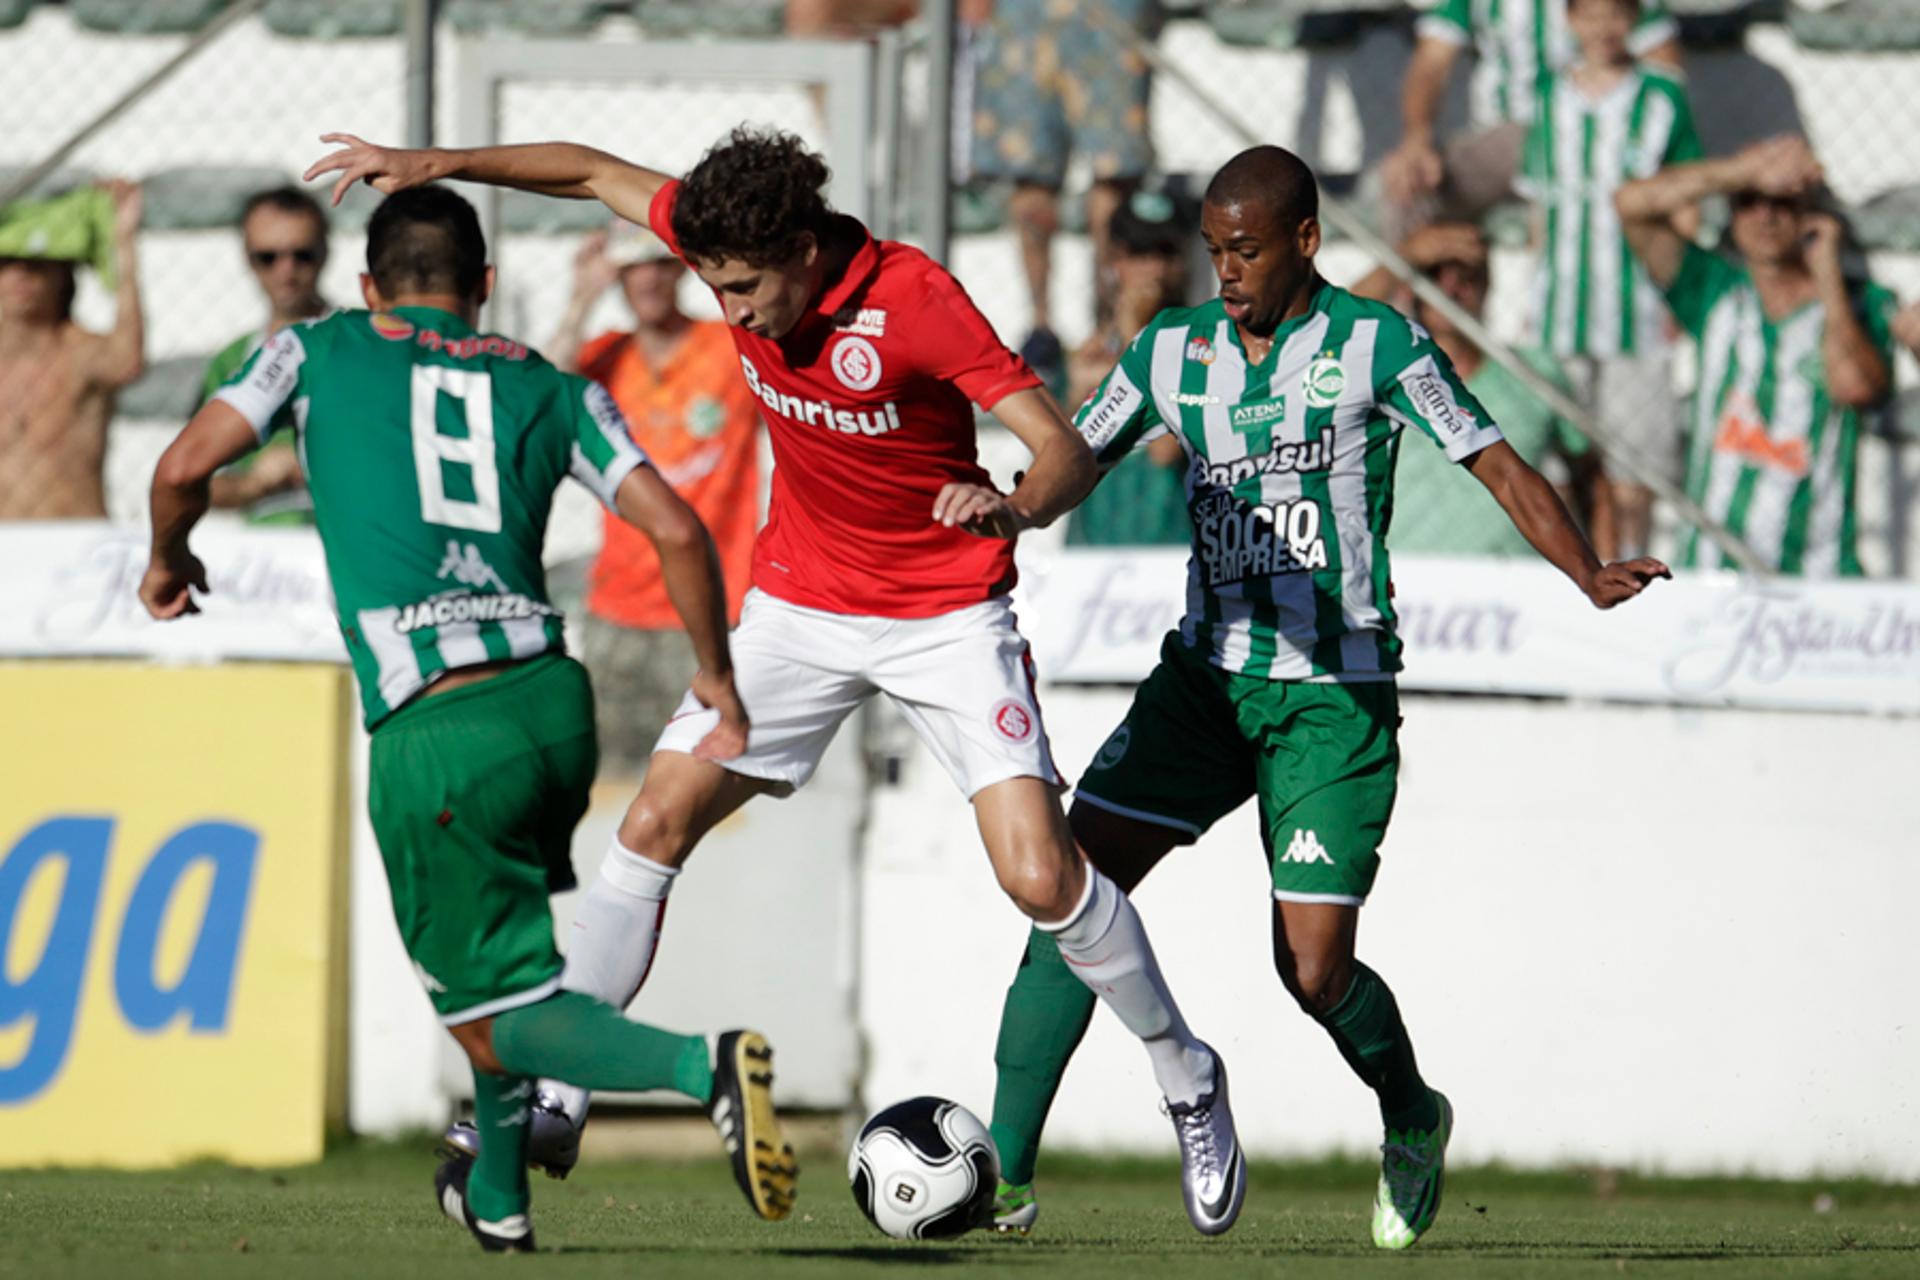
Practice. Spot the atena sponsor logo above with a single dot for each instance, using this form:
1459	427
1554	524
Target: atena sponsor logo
823	413
1234	540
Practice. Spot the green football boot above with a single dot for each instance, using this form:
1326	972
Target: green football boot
1413	1168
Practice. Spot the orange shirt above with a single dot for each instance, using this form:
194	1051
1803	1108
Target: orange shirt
699	424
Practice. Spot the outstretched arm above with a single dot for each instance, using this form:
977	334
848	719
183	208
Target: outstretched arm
550	168
691	570
216	436
1063	473
1536	510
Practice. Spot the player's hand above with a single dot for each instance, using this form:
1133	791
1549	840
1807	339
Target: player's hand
385	169
977	509
1623	580
728	739
1412	170
164	588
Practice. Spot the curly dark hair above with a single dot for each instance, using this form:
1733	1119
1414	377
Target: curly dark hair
751	198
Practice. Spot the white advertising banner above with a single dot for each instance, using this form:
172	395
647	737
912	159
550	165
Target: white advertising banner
1496	626
71	588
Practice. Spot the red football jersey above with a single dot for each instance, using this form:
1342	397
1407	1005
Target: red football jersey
866	403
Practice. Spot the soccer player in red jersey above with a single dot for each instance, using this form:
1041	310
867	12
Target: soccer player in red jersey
884	567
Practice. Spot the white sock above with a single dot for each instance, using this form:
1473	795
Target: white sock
616	927
1106	946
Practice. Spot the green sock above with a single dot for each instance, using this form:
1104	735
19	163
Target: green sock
1367	1028
497	1187
1041	1024
572	1037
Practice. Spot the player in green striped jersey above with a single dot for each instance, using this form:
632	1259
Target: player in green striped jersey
1289	397
1791	352
1602	120
433	452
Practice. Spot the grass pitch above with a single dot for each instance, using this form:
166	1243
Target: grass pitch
368	1211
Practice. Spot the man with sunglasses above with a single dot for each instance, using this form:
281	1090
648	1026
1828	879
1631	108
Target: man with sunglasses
285	234
1791	351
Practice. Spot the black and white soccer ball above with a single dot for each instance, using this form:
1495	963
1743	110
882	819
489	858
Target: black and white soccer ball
924	1169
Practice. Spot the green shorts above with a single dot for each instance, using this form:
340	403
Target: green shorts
1324	760
474	796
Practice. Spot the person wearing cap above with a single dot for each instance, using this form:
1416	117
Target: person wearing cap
58	381
1794	348
677	381
284	233
1143	502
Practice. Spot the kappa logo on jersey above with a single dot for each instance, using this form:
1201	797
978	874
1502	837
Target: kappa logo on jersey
1433	400
427	980
1237	540
875	422
1114	749
1325	381
870	321
1107	411
392	328
1200	348
1295	456
1306	847
466	566
1013	721
856	364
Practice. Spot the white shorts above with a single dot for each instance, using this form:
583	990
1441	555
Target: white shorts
964	680
1633	398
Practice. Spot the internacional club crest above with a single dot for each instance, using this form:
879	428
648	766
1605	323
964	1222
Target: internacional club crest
856	363
1013	721
1326	379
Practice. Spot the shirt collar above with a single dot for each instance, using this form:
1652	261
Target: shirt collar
859	269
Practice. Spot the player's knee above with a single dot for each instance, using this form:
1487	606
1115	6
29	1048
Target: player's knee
652	832
1040	887
1316	980
476	1039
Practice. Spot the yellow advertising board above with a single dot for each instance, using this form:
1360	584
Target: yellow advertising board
172	912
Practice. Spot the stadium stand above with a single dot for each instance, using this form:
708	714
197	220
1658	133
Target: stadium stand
334	19
1873	25
145	17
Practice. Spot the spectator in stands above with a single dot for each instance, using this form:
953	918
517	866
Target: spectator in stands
1518	44
1144	500
284	233
1603	120
1791	351
678	382
1053	78
1437	508
59	382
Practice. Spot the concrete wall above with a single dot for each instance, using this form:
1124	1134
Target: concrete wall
1620	936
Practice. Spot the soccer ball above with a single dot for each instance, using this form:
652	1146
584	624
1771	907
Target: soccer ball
924	1169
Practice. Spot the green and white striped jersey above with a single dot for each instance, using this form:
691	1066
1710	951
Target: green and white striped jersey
433	453
1769	454
1289	472
1520	43
1594	298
